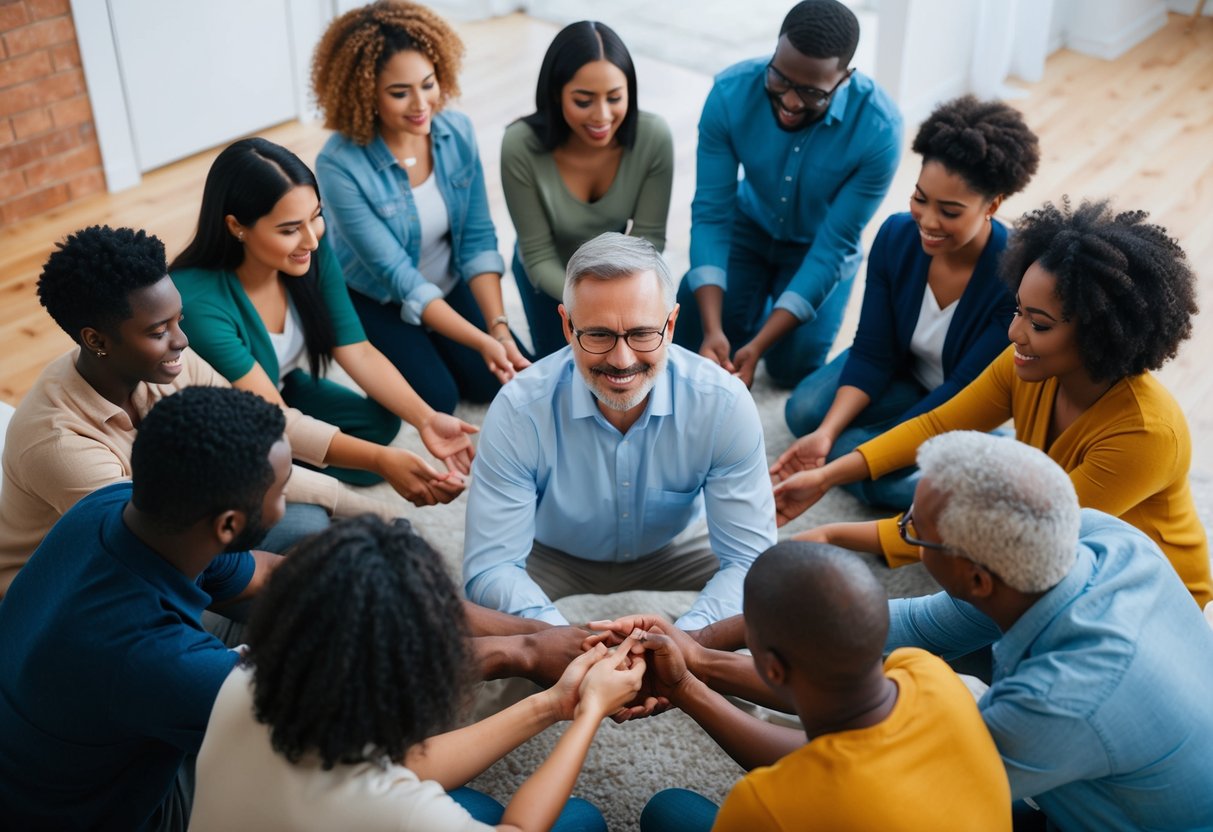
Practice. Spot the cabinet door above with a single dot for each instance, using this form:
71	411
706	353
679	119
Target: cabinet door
199	74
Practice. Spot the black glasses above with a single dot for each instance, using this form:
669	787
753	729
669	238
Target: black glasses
599	341
778	84
905	528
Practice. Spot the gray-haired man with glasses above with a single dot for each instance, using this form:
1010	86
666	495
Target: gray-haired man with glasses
621	462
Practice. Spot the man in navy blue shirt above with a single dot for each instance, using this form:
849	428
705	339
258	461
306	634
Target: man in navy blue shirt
107	676
819	144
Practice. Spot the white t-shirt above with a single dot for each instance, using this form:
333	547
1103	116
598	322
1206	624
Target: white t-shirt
242	783
289	344
435	260
926	344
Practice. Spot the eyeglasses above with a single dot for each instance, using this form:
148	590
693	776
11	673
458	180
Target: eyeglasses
905	528
599	341
778	84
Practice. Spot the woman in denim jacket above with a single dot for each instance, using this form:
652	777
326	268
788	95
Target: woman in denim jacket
404	192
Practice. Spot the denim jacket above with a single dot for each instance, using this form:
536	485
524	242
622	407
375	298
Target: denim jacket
373	223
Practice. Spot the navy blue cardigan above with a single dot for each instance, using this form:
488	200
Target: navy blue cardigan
892	299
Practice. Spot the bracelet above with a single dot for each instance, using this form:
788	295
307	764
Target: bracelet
500	319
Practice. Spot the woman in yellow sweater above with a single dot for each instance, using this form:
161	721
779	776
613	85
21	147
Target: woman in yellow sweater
1101	299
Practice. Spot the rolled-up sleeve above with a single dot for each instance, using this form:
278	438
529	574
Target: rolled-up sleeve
372	242
940	624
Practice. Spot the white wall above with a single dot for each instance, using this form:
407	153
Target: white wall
1109	28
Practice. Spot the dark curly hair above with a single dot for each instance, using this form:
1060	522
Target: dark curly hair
358	641
1123	281
573	47
246	181
822	29
358	44
87	281
986	143
203	451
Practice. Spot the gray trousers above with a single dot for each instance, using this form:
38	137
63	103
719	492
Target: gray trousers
686	562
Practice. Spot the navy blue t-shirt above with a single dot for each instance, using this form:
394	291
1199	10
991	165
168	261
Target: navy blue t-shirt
107	677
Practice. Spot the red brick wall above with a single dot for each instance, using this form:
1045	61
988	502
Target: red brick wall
48	145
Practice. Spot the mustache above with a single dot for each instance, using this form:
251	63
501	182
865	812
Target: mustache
606	368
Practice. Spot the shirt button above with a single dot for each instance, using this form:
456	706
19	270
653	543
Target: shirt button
625	515
796	149
787	179
626	484
783	199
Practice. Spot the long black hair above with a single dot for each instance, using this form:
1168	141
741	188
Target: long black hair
575	46
246	180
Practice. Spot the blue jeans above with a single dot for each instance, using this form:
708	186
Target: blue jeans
577	815
678	810
542	315
760	269
439	369
811	400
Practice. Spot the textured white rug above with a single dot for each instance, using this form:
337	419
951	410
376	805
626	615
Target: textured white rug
629	763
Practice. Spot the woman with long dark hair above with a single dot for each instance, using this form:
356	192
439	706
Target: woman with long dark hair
585	162
265	304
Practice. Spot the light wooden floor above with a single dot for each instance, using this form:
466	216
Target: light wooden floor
1139	130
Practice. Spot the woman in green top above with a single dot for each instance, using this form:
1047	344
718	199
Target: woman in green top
265	304
586	161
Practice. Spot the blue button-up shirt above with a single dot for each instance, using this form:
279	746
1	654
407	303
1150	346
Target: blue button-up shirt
551	468
374	226
818	186
1102	698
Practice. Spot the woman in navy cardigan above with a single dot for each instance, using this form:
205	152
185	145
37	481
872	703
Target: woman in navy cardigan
934	311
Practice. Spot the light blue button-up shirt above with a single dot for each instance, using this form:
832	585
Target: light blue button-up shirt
551	468
1102	701
374	225
818	186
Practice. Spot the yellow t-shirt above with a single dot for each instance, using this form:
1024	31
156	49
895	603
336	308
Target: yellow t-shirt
1128	455
931	764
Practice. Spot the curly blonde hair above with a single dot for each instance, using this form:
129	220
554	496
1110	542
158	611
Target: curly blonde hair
357	45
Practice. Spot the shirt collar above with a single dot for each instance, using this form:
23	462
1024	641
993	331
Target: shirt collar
584	405
93	403
1015	644
382	158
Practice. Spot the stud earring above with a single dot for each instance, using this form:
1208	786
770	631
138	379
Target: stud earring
101	353
240	236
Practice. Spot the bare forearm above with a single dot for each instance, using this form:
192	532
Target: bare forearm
778	324
726	634
748	740
483	621
858	537
539	800
457	756
378	377
711	302
846	469
733	674
486	289
848	403
440	317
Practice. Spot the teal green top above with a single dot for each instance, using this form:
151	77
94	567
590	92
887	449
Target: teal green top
552	223
225	329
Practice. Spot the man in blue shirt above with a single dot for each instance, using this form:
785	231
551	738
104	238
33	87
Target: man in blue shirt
818	144
1103	668
107	676
598	466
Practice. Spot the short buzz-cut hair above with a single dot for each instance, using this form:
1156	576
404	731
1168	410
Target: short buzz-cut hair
612	255
822	29
820	608
1009	507
203	451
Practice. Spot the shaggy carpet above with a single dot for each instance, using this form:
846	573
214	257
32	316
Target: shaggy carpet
629	763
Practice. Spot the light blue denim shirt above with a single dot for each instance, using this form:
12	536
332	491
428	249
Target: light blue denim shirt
818	186
372	217
551	468
1102	697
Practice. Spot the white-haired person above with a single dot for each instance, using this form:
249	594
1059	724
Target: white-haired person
1102	298
1099	703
